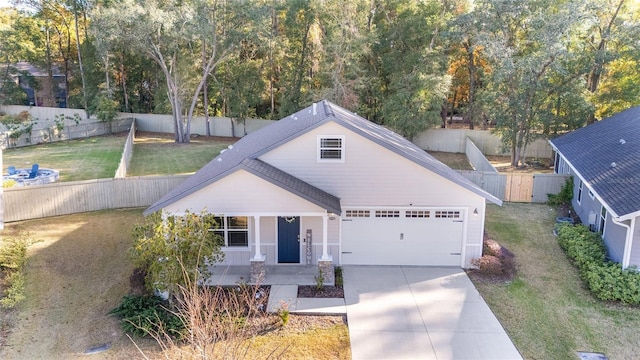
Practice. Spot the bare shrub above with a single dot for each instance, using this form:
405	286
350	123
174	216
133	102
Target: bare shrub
488	265
218	322
491	247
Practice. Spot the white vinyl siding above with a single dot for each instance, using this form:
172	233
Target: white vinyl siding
241	192
374	175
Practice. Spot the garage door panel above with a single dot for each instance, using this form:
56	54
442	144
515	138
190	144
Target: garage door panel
402	241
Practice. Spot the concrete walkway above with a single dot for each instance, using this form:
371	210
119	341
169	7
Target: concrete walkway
288	294
397	312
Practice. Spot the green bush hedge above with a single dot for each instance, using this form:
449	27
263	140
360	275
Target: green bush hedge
145	315
606	279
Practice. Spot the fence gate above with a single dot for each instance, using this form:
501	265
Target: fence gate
519	187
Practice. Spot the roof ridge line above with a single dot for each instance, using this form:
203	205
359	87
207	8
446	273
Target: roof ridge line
328	110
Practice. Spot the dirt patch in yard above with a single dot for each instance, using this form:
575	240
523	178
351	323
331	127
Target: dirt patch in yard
503	164
456	161
75	274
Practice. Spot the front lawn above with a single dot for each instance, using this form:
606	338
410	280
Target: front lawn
78	270
546	310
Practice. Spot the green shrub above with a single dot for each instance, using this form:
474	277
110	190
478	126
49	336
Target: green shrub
339	277
605	279
319	279
564	196
15	292
142	315
609	282
13	256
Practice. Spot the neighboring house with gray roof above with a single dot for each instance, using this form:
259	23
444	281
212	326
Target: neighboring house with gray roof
604	159
325	185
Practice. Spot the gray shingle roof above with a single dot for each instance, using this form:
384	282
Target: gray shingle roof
606	155
293	184
270	137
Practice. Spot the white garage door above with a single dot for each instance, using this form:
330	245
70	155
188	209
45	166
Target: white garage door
402	237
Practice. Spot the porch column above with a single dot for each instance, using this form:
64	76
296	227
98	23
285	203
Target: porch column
325	246
258	270
258	255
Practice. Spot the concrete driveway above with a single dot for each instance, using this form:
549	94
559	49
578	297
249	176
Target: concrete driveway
405	312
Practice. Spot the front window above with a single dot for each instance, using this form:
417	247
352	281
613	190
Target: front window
331	148
234	230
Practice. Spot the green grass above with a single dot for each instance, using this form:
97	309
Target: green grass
457	161
546	310
98	157
84	159
157	155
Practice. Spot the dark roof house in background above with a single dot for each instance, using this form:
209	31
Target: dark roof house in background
605	160
45	93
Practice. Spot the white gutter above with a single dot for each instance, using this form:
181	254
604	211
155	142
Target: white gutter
628	241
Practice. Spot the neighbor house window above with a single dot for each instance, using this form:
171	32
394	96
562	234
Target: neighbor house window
592	195
603	220
579	191
234	230
331	148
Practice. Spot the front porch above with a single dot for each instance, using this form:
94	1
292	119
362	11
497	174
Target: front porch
226	275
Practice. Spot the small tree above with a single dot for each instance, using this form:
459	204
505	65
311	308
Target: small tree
106	109
164	247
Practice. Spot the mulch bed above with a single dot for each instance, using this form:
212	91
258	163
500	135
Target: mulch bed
309	291
507	264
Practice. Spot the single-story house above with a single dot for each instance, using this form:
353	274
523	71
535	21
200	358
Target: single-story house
604	159
326	186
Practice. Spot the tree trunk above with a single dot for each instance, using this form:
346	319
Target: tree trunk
49	65
471	64
123	74
84	84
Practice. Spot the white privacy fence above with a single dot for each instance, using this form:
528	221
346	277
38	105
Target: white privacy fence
122	192
453	140
64	198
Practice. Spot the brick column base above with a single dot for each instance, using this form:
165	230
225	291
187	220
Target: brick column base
258	272
328	272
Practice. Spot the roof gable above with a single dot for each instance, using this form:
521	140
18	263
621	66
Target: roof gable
606	155
270	137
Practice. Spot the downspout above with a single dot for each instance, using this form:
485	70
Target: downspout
626	256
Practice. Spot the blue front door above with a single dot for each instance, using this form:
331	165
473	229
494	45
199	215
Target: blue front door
289	239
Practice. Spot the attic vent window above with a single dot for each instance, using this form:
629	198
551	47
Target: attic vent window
331	148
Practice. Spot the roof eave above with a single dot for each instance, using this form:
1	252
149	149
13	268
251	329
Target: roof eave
330	208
